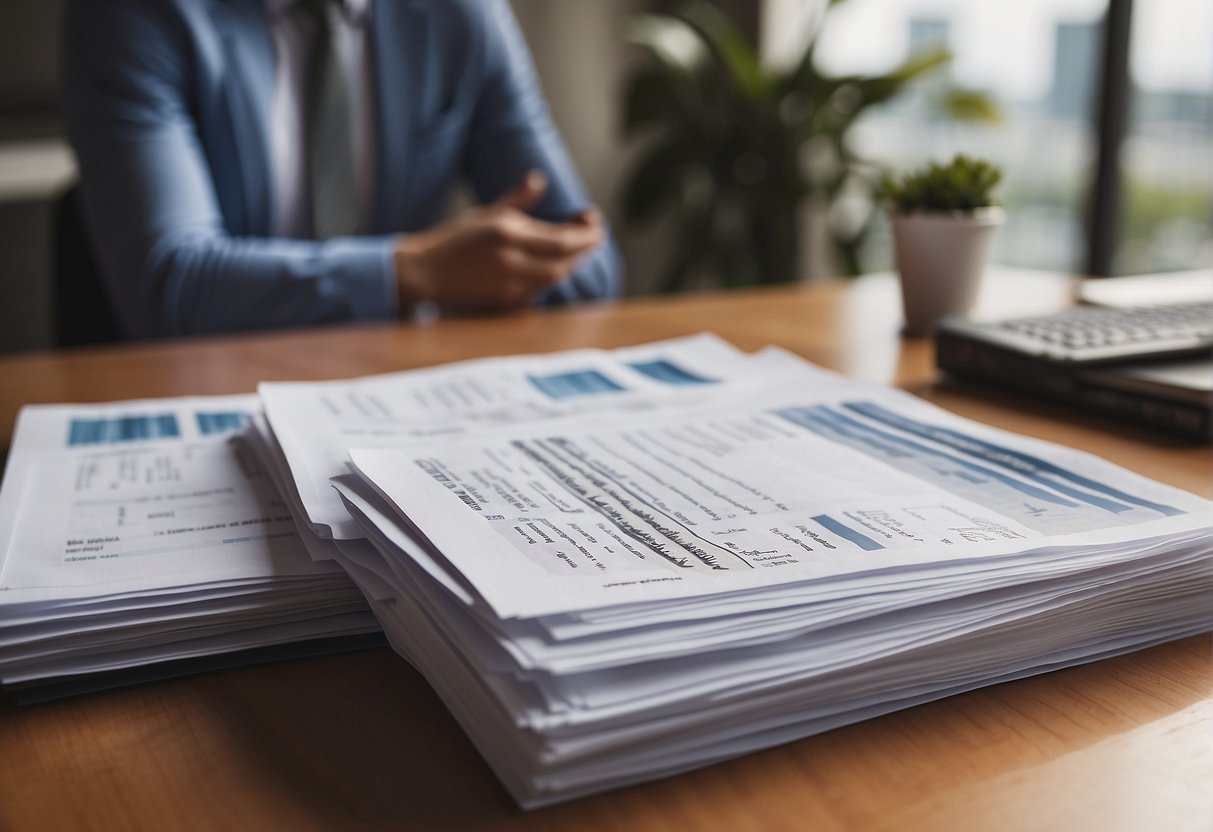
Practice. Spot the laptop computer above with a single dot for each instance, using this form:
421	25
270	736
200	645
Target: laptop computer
1147	364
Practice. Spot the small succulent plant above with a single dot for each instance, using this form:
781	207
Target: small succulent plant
964	184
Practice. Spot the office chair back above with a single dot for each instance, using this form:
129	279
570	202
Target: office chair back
83	311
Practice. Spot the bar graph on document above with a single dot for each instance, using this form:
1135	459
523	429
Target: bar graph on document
1038	494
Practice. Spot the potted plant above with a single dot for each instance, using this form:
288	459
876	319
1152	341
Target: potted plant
943	218
734	148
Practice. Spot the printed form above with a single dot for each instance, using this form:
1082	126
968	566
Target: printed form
140	496
316	423
819	478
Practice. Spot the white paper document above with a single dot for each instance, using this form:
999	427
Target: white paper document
144	521
790	486
316	423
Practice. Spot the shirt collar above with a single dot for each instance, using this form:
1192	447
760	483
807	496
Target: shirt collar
355	10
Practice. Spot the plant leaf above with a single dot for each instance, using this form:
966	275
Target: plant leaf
921	62
695	246
654	94
963	104
731	49
672	41
880	88
654	180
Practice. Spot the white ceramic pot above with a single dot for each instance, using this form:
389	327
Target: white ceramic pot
940	259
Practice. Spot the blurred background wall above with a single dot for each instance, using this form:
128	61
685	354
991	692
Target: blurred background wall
34	166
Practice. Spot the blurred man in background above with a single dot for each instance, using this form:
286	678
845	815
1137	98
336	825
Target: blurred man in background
263	163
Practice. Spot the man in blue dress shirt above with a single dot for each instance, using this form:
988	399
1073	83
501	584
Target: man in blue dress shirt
262	163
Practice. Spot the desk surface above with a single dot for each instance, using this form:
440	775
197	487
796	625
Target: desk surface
359	740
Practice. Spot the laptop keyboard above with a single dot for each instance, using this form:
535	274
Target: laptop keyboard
1089	333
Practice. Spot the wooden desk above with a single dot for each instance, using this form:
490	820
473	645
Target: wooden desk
358	740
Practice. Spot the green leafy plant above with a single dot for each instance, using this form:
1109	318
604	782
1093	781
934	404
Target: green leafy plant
735	149
963	184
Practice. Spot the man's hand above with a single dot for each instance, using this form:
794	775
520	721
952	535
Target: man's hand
494	257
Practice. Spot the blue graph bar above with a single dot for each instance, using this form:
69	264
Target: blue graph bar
669	373
846	532
577	383
211	423
122	429
1021	463
829	422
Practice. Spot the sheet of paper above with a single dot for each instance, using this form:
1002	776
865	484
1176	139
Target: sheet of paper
808	482
316	423
244	637
113	499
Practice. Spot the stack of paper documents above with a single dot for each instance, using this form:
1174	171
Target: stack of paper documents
616	566
142	532
138	533
612	566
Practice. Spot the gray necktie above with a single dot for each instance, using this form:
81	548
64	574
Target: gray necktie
330	142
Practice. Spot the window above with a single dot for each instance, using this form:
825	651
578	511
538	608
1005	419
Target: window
1167	221
1041	61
